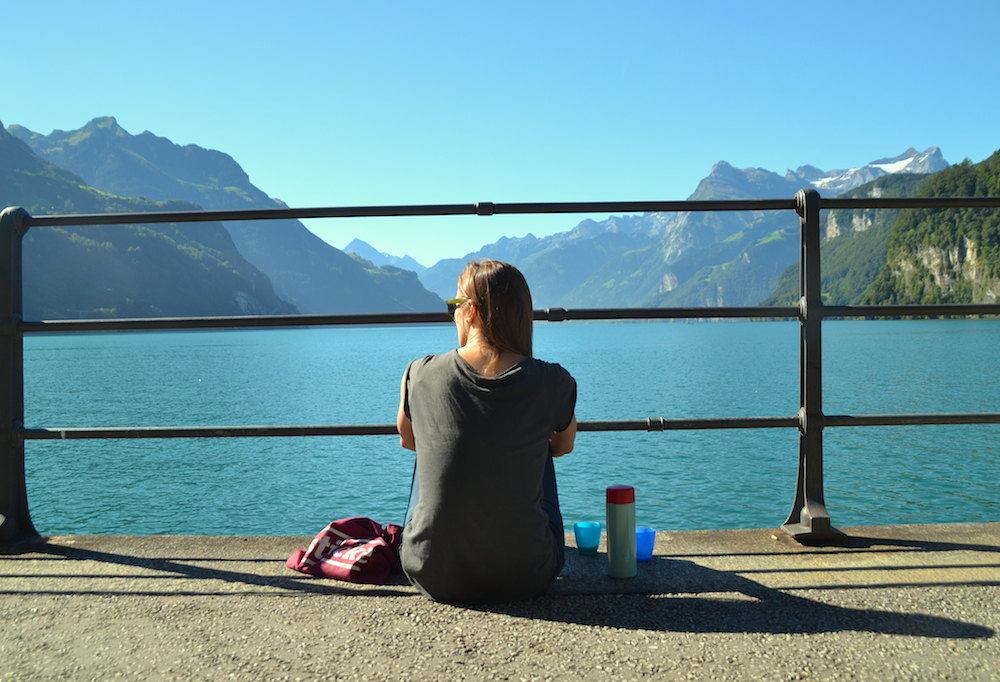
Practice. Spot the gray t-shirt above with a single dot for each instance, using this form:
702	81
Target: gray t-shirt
478	532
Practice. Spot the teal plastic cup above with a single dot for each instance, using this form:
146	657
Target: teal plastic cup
588	536
645	540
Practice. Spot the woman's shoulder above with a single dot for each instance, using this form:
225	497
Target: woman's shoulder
430	361
555	382
550	370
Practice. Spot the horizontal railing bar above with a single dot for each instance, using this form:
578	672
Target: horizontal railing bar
481	208
547	314
651	424
543	315
660	424
912	419
646	206
911	310
34	326
489	208
911	202
554	314
208	431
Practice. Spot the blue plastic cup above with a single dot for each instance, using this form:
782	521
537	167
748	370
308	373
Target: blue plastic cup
588	536
645	540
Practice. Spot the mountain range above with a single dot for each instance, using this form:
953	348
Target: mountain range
679	259
380	258
651	259
304	270
837	182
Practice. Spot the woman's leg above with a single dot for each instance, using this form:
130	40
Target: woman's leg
550	505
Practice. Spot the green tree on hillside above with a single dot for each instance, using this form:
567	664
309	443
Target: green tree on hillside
945	255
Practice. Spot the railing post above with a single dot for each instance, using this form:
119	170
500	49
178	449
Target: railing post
809	519
15	520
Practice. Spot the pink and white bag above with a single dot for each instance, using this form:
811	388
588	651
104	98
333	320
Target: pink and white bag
357	550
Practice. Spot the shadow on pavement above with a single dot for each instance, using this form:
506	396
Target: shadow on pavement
670	594
700	599
168	568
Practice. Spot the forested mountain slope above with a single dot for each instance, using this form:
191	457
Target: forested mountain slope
945	255
853	247
126	270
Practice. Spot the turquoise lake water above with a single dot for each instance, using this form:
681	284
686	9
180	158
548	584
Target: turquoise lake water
683	479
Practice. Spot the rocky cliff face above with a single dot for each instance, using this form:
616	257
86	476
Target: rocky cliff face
861	221
958	274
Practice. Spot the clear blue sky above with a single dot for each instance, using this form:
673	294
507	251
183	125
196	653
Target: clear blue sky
339	103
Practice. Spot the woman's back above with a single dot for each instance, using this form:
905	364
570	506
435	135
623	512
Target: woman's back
479	531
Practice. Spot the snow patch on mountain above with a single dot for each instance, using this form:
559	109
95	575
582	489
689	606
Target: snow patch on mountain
832	183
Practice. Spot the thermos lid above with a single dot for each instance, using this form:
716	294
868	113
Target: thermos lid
621	494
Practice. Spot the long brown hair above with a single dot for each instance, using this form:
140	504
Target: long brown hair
504	303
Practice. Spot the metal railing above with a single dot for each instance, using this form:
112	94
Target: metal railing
809	519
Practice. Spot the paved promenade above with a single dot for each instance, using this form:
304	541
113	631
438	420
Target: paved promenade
892	603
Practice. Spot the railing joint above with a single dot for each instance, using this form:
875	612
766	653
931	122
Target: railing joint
805	197
654	424
11	326
811	311
555	314
485	208
18	217
17	433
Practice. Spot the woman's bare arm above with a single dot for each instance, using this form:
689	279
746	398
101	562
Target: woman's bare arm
403	423
561	442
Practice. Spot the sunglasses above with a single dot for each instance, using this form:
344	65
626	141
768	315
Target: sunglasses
454	304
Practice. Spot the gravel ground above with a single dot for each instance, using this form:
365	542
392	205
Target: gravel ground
727	605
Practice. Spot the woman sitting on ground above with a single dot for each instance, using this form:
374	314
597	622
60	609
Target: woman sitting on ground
485	420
